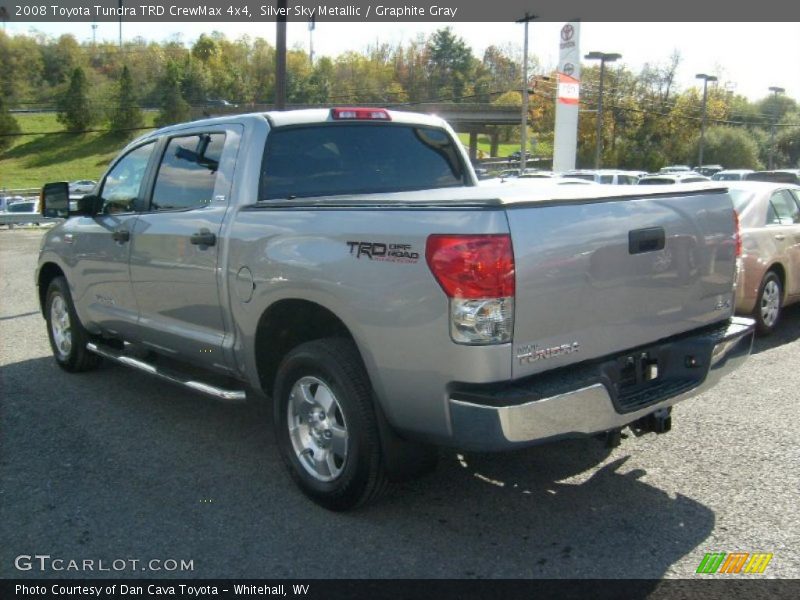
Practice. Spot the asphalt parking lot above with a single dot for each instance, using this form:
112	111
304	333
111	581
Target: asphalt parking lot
114	465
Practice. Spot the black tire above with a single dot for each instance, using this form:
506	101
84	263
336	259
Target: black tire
73	356
336	367
769	304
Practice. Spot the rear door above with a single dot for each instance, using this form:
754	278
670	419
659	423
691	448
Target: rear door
175	271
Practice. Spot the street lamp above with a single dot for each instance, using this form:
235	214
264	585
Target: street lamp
775	90
523	139
706	79
603	57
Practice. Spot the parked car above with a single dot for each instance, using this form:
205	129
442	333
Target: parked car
82	186
769	214
731	175
607	176
709	170
23	206
675	169
778	176
672	178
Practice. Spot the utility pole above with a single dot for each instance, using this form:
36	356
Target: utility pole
603	57
94	35
775	90
312	23
120	24
280	57
706	79
523	138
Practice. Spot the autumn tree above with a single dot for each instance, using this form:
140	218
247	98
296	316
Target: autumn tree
126	114
8	125
75	110
174	108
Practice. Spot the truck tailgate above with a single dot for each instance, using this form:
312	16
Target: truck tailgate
595	277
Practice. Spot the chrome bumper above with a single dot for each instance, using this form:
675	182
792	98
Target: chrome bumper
589	409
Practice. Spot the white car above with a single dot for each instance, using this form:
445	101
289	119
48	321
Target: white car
82	186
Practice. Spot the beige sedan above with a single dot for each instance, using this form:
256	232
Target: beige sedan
769	214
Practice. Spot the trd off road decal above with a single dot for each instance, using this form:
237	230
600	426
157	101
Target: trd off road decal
400	253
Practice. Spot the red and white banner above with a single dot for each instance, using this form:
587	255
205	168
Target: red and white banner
569	89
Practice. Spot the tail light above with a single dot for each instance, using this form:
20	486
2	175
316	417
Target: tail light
737	234
476	273
360	114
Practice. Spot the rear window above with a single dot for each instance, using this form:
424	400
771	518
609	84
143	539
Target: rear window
656	181
775	176
357	158
741	199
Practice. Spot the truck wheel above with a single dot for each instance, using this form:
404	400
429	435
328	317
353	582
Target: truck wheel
67	336
768	307
325	424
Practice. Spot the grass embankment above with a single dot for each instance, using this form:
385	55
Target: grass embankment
485	145
35	159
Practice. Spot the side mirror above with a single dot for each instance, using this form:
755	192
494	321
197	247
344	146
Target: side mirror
55	200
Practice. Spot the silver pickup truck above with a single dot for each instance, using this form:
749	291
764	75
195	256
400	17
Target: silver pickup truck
345	263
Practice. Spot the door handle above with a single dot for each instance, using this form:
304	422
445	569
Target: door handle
121	235
203	238
780	237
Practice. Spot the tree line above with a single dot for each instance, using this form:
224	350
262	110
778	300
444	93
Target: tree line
647	120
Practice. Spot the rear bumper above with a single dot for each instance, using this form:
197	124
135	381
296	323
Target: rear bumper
586	399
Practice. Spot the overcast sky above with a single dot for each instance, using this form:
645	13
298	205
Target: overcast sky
753	56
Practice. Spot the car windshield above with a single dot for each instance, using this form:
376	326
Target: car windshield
358	158
727	177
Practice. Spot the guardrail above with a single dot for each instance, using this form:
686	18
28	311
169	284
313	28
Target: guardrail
21	218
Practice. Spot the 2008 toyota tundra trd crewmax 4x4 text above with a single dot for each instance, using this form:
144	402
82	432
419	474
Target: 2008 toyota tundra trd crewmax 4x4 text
345	263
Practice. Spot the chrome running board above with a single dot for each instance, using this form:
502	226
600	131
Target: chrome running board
174	377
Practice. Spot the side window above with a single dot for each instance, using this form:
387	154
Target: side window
606	179
121	186
188	172
784	209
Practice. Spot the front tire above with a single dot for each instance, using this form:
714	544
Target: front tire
768	306
325	424
68	338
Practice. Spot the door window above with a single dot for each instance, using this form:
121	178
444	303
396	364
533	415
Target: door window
122	185
188	172
783	209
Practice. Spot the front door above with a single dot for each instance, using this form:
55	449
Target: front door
101	287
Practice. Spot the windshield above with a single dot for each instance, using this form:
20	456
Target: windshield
358	158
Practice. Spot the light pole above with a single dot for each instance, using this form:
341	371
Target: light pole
603	57
706	79
775	90
523	138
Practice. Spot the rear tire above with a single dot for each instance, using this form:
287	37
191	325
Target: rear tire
67	336
325	424
767	312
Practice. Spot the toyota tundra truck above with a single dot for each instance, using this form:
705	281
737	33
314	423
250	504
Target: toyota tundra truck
345	264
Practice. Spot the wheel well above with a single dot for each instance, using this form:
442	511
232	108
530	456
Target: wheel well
47	273
287	324
778	269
